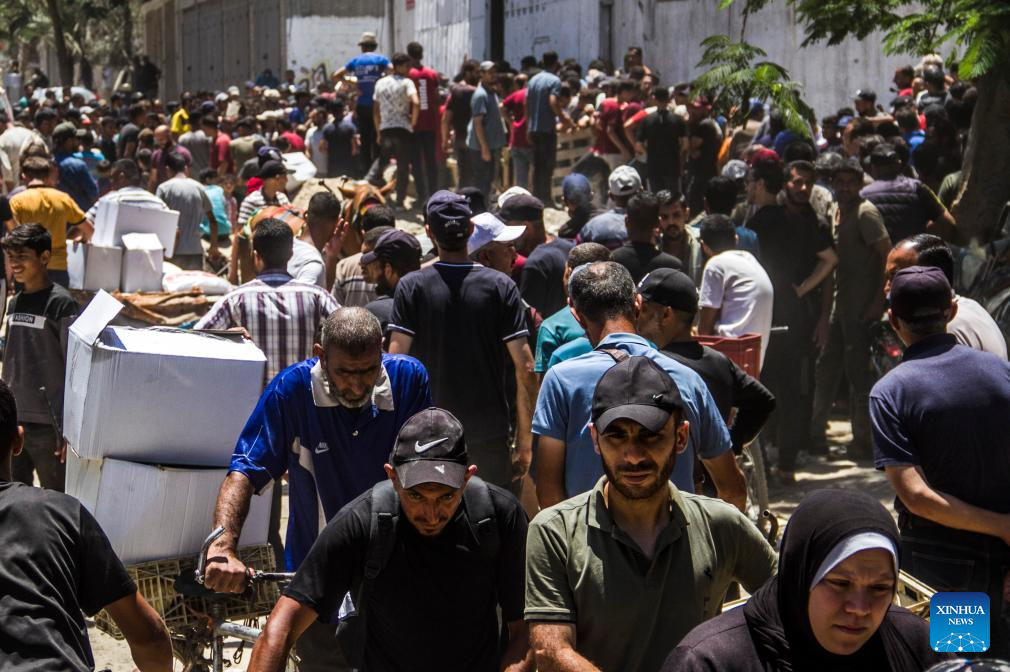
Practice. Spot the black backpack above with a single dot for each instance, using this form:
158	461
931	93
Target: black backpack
351	631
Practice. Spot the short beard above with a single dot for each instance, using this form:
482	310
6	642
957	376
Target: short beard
632	493
343	401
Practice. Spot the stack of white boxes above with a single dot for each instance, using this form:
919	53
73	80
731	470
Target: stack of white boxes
126	252
152	418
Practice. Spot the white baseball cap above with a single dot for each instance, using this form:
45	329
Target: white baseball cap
624	181
487	228
509	193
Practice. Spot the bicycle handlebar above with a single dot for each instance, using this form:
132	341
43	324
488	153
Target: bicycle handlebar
252	576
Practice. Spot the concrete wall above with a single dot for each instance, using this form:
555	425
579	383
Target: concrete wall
668	30
323	35
233	40
830	75
450	30
569	27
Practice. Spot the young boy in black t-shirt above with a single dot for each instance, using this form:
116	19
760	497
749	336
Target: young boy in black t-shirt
35	356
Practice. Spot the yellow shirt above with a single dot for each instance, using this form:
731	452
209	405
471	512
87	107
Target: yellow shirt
180	122
55	210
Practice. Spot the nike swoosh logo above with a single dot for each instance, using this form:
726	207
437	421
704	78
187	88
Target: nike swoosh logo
421	447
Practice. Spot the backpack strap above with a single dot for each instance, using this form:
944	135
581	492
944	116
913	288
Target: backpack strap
483	522
351	631
617	354
381	540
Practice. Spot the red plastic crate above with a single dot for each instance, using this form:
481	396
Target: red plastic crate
744	351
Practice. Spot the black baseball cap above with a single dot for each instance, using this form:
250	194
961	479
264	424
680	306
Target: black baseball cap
670	288
522	208
273	169
920	293
448	214
430	448
866	95
883	154
636	389
394	246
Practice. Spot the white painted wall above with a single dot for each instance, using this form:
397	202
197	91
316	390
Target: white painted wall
569	27
331	40
450	31
669	31
830	75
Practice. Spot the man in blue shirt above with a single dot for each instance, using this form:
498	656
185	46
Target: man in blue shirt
940	424
543	109
330	423
75	177
606	304
367	69
485	135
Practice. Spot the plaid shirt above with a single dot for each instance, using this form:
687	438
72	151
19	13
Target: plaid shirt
349	285
282	315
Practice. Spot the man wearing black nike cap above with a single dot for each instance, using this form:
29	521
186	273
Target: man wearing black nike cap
616	574
429	558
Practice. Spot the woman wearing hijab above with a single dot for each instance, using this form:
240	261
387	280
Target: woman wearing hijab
830	607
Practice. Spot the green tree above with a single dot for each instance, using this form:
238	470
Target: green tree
81	32
974	33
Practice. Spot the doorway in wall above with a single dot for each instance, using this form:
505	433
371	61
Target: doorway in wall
606	31
497	30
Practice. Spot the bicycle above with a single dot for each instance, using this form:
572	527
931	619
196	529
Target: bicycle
190	642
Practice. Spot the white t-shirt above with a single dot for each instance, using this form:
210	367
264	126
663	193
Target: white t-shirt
393	93
973	326
735	283
306	264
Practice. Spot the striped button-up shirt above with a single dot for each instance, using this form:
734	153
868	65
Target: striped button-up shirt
282	315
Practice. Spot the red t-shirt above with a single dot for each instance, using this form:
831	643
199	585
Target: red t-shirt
222	153
610	117
426	81
295	140
514	104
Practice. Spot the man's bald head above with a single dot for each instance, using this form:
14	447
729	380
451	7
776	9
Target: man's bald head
162	135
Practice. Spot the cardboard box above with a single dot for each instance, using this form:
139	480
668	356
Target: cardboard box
152	512
156	395
94	267
143	263
115	219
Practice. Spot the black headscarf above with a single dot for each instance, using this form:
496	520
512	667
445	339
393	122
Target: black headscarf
777	613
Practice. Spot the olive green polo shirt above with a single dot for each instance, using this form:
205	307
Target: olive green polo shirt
629	610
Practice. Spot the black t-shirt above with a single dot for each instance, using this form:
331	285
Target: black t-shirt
35	356
339	141
433	606
730	386
382	308
459	104
460	317
661	133
108	148
541	282
789	248
57	563
642	258
705	164
128	133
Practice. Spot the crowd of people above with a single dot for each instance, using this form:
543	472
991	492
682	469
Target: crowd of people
503	444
